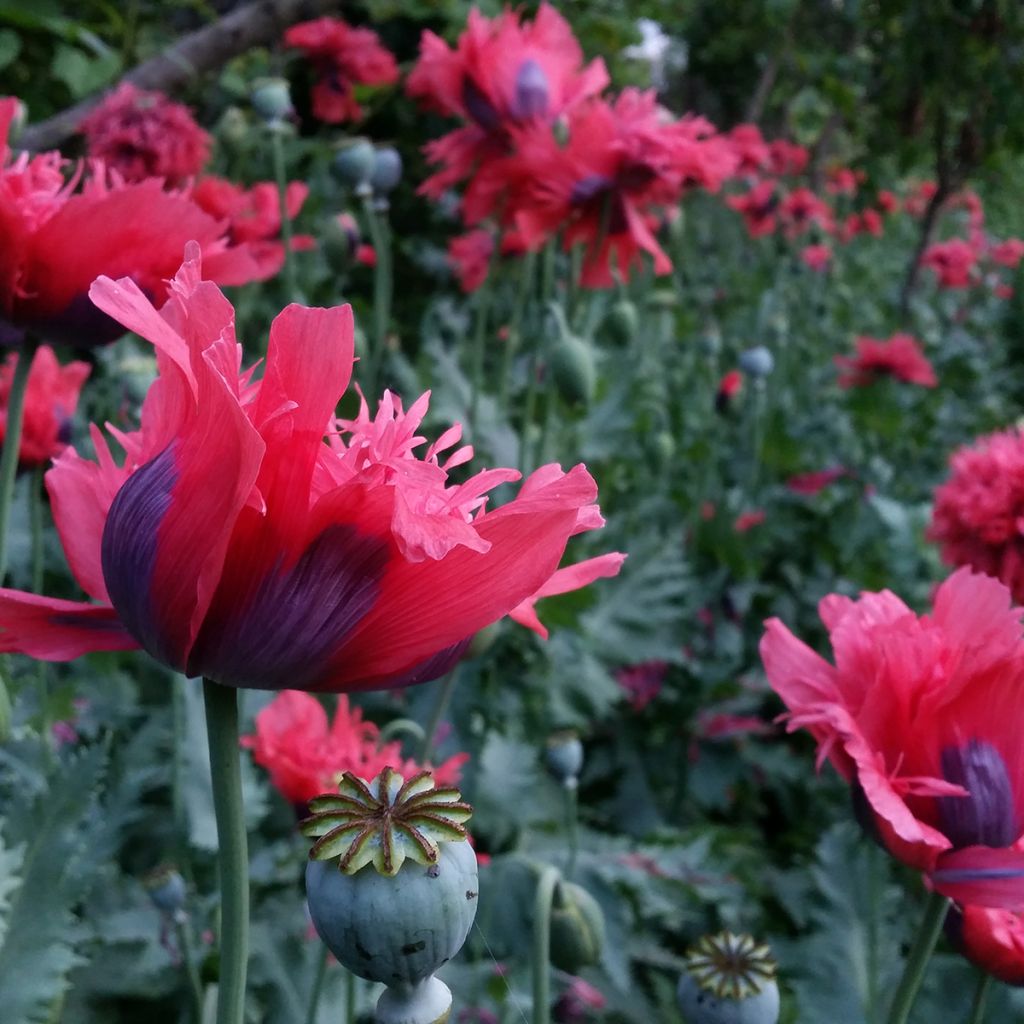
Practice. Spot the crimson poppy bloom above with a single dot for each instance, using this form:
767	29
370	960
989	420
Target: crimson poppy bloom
843	181
58	241
235	543
887	200
759	208
809	484
919	714
142	134
306	757
801	210
990	938
746	521
977	513
753	154
817	257
899	356
51	397
343	56
1007	253
470	257
787	157
254	217
504	73
642	682
953	262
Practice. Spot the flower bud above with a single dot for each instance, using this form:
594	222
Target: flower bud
729	979
563	757
341	240
387	170
623	321
577	928
271	98
233	127
354	165
392	887
757	361
572	363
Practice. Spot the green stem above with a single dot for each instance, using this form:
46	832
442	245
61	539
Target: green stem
522	294
572	825
382	289
398	726
12	443
542	944
280	173
35	518
874	858
483	309
917	960
222	735
444	695
318	985
350	997
980	998
188	962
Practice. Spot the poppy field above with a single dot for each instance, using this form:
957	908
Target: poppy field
511	514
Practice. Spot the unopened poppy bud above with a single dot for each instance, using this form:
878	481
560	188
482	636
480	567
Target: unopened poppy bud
757	361
271	98
166	889
233	126
572	363
341	240
577	928
623	321
729	979
563	757
392	887
354	165
387	170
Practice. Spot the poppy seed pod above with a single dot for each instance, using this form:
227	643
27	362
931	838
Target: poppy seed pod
577	928
623	321
572	363
563	757
166	889
757	361
271	98
392	887
729	979
354	165
387	170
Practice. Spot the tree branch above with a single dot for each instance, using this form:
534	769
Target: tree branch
254	24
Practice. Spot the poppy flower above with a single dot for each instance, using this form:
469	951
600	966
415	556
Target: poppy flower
843	181
887	200
801	210
900	356
504	73
305	756
990	938
57	241
343	56
577	1003
51	397
867	222
759	208
753	154
254	217
642	682
1007	253
812	483
143	134
919	715
953	262
817	257
787	157
746	521
234	542
978	513
729	387
470	257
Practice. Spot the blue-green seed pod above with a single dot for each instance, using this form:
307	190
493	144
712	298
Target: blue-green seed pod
354	164
166	890
271	98
577	928
392	887
729	979
563	756
757	361
387	170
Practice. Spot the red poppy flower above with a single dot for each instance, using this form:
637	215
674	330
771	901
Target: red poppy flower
57	242
642	682
753	154
748	520
787	157
867	222
343	56
801	210
888	201
920	715
504	73
1007	253
759	208
817	257
51	398
141	134
952	262
842	181
900	356
254	217
306	757
990	938
978	515
470	256
813	483
236	544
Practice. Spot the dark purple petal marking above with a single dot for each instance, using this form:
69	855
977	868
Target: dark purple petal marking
986	817
283	634
479	106
532	91
129	551
81	325
588	188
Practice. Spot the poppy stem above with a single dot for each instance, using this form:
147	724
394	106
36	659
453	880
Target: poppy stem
980	998
382	287
35	518
543	900
12	442
233	859
572	825
917	960
440	706
318	985
188	964
280	173
527	264
483	309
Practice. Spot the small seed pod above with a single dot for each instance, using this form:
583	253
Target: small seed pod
387	170
729	979
757	361
271	98
623	321
572	362
354	165
563	756
167	891
392	887
577	928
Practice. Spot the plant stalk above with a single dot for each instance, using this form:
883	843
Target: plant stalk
12	443
542	944
917	960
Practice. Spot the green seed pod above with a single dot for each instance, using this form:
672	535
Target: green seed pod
729	979
271	98
577	928
623	321
354	165
573	370
392	887
233	127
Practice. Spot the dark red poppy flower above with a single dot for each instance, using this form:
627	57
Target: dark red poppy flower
978	514
305	756
729	387
867	222
919	715
470	257
919	197
843	181
57	241
787	158
1007	253
143	134
254	218
990	938
888	202
748	520
953	262
899	356
759	208
504	73
809	484
577	1003
51	398
817	257
753	154
801	210
235	543
642	682
343	56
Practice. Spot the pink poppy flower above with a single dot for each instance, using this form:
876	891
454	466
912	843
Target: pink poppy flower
900	356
